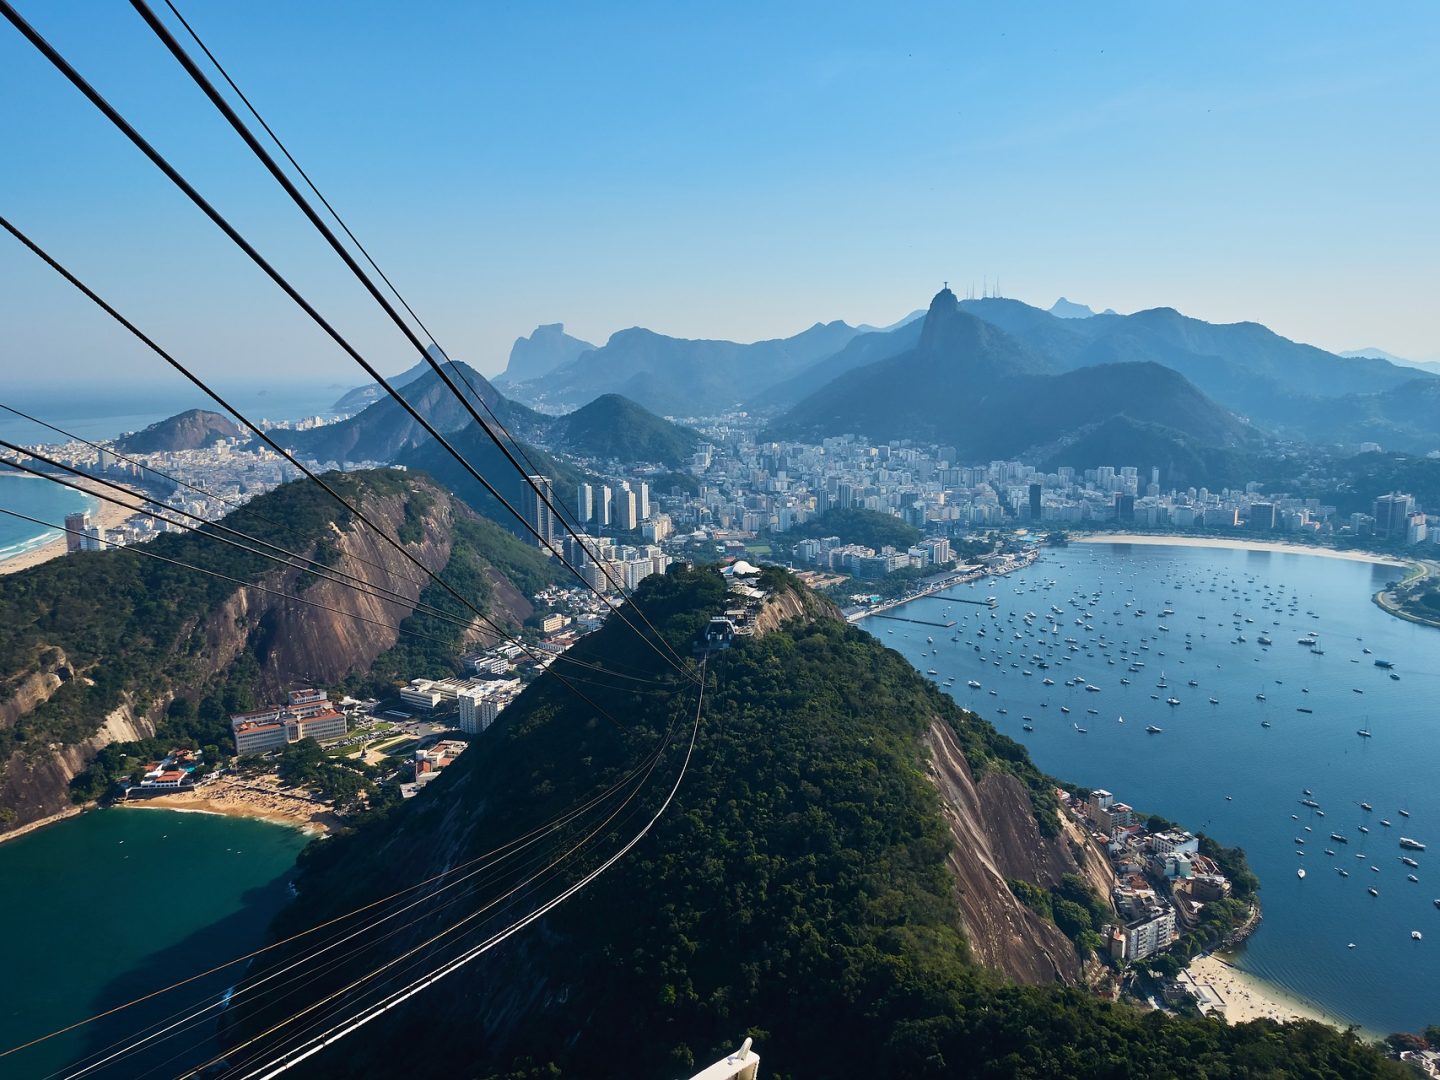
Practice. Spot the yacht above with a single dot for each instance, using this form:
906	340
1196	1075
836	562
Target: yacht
1413	845
1152	729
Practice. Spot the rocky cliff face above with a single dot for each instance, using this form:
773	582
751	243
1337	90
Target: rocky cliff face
292	643
997	840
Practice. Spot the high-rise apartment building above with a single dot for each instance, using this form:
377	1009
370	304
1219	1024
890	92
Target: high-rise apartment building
76	526
536	509
626	511
1392	513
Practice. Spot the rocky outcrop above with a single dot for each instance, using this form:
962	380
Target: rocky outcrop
329	632
36	786
193	429
785	604
996	840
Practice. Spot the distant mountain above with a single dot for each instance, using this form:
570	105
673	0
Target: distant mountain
1379	354
1280	385
548	348
862	350
1431	366
1404	418
193	429
682	377
384	429
1182	460
476	447
613	427
353	401
1067	309
969	383
914	316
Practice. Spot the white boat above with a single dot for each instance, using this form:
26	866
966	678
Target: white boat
1300	873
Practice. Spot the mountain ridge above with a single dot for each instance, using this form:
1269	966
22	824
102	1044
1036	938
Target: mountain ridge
969	383
839	856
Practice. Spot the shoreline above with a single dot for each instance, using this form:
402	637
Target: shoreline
256	799
40	823
1279	546
1237	996
105	515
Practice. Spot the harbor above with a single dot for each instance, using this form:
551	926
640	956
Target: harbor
1256	696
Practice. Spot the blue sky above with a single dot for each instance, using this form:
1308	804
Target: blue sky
729	170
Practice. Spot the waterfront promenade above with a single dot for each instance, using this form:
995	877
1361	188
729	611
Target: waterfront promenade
934	585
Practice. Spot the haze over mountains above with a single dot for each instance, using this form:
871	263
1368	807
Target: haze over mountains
994	377
1281	387
969	384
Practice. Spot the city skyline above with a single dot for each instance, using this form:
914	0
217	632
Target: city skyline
735	175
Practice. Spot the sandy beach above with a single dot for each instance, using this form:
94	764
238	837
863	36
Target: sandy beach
260	797
1236	545
1239	996
105	514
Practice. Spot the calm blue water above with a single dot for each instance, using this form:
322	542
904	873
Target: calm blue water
109	906
36	498
1208	752
106	412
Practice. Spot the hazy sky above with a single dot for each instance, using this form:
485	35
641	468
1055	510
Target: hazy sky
725	170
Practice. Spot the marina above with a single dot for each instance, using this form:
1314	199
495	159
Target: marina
1250	728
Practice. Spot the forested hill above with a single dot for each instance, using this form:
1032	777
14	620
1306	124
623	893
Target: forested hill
107	647
614	428
856	526
193	429
803	888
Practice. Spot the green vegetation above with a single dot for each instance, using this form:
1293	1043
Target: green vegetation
118	627
129	626
305	764
614	427
1072	906
431	646
798	882
866	527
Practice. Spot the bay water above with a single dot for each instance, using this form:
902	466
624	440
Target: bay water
112	905
1237	769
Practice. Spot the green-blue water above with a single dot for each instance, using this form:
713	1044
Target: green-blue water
1207	753
111	905
36	498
